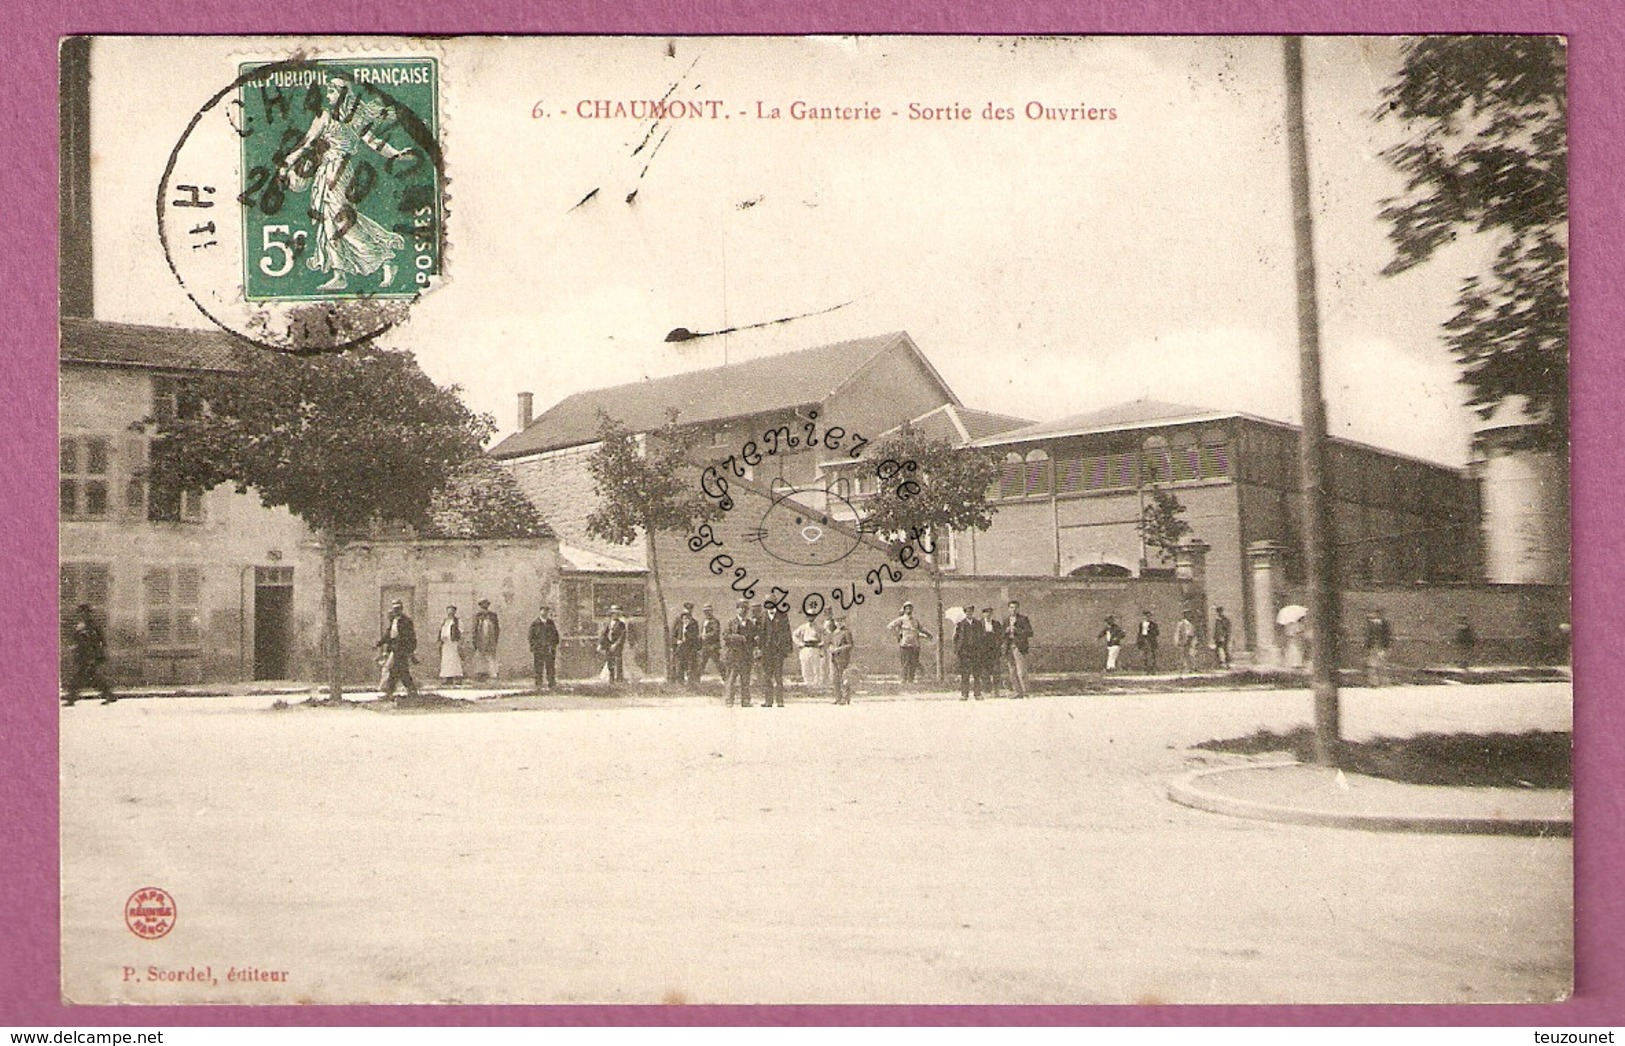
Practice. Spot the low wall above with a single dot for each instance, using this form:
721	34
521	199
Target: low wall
1514	624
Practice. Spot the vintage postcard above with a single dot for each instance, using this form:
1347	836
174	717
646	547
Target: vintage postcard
1131	473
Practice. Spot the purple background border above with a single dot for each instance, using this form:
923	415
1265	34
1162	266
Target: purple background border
29	955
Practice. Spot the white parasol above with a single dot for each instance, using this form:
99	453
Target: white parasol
1291	614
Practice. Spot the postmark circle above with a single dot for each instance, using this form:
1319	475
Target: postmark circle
150	913
303	208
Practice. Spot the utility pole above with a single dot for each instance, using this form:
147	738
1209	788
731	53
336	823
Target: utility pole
1321	569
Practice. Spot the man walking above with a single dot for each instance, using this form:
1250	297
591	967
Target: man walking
710	645
776	646
968	654
908	630
1145	641
89	657
840	659
399	643
487	630
544	647
1113	635
740	639
1018	635
1221	638
1186	639
685	645
612	644
1378	637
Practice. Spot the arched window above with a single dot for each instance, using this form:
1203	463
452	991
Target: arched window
1035	478
1159	465
1010	476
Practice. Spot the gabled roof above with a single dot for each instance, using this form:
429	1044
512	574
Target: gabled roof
961	425
106	344
1133	415
737	390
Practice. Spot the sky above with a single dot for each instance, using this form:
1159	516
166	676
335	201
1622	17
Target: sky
1046	267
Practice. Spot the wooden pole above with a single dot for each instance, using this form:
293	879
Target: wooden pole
1318	546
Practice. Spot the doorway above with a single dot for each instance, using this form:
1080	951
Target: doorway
273	621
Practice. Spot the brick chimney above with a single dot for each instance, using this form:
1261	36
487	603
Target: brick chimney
526	405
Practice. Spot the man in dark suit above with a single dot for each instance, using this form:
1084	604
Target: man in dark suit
741	642
1145	640
544	647
1018	636
968	654
685	647
399	644
89	657
710	651
777	643
990	650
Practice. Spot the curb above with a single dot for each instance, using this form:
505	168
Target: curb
1187	791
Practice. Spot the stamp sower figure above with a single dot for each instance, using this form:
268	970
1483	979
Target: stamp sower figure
89	657
710	644
487	630
1186	639
451	648
776	646
909	632
810	649
1378	638
740	638
968	653
1145	641
544	648
1221	638
399	644
1018	636
347	241
840	659
1113	635
685	646
612	644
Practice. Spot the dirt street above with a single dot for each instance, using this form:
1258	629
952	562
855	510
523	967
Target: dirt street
920	851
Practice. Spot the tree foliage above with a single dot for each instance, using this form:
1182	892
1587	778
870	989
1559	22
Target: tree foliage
928	485
1488	154
1160	525
483	500
342	440
644	482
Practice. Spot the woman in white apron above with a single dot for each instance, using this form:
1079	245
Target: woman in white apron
451	653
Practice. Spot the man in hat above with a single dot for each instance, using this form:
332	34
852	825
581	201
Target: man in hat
544	648
398	644
612	644
1145	641
776	646
1018	636
810	650
1113	635
1379	636
89	655
685	646
968	654
741	639
487	630
908	630
990	650
840	659
710	644
1221	638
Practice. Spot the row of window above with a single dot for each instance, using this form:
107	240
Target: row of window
171	598
1185	457
87	481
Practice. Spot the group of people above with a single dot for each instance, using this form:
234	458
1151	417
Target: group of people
755	643
481	650
1187	641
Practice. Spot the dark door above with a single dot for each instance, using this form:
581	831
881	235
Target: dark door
273	622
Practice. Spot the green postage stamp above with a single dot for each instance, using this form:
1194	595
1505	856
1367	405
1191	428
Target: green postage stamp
340	178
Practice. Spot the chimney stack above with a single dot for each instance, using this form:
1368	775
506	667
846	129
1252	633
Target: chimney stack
526	402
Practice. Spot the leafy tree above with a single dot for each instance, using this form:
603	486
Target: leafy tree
928	487
342	440
1488	154
645	484
1160	526
483	500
